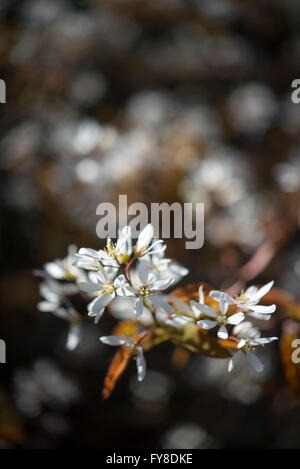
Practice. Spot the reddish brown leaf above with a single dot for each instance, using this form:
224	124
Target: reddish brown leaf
230	343
196	340
291	332
180	358
293	312
281	298
117	367
129	327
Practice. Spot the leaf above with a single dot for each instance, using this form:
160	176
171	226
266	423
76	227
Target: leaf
117	367
230	343
293	312
197	340
152	338
291	370
128	327
180	357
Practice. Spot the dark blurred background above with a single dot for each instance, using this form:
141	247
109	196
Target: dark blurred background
162	100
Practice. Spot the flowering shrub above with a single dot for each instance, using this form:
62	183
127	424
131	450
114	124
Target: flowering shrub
130	282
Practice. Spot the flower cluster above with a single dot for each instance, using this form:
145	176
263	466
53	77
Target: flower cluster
208	318
137	275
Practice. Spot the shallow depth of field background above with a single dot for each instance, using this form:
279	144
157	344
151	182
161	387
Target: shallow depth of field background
162	100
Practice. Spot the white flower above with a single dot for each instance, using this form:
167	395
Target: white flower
128	341
144	246
249	300
183	313
88	259
63	269
55	295
197	307
104	291
220	319
246	348
166	268
110	257
57	303
188	313
119	252
170	319
74	335
246	330
148	288
124	244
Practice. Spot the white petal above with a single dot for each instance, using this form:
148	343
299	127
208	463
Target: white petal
47	306
206	324
89	287
138	307
234	360
222	333
157	247
86	263
143	271
263	340
195	307
180	305
159	302
223	306
101	275
69	288
89	252
97	316
177	269
182	320
201	294
241	343
236	318
64	313
124	243
140	364
207	311
113	340
263	309
246	330
218	295
124	289
255	362
99	303
55	270
72	249
73	338
262	291
162	284
251	291
145	237
120	281
261	317
50	291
